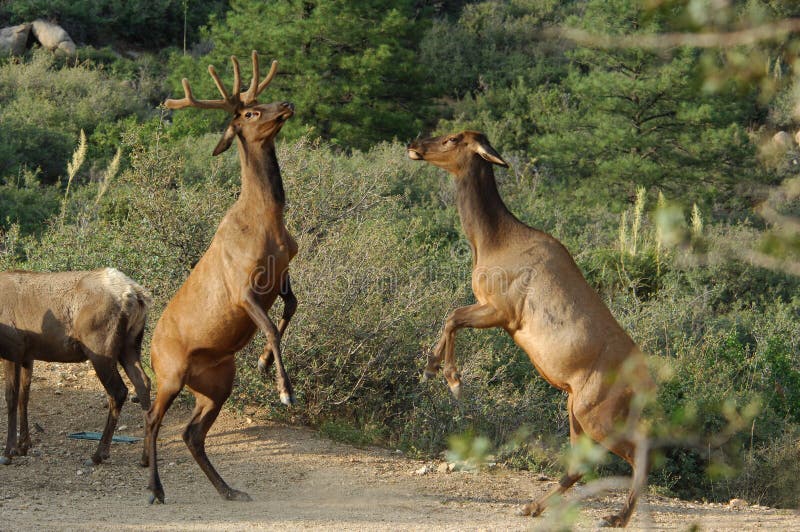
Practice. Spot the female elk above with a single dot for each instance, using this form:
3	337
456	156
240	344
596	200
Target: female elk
526	282
71	317
226	297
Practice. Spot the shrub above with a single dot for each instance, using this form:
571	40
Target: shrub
43	108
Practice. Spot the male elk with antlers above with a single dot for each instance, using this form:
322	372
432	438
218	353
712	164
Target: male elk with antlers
526	282
226	297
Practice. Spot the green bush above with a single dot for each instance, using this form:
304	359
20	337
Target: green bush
44	107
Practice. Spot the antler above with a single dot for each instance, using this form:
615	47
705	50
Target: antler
257	88
229	102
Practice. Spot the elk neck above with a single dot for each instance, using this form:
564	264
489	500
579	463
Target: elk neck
262	184
483	214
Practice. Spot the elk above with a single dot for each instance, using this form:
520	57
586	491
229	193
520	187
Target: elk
526	282
227	295
71	317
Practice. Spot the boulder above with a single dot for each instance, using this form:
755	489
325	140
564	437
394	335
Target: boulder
53	37
13	39
782	140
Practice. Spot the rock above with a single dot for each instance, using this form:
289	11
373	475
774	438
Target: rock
53	37
542	478
444	467
13	39
451	467
122	427
782	140
738	504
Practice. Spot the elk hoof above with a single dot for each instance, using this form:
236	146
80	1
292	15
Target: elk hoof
156	496
5	460
611	521
236	495
264	364
530	509
288	399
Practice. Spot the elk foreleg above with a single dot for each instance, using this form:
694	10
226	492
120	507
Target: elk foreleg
24	441
262	320
477	316
289	308
12	371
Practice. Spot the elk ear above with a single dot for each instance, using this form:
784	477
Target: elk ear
226	140
486	151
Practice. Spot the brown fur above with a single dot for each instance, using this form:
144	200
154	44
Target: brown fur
526	282
71	317
226	297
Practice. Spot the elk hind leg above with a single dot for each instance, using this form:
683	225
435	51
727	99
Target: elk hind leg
609	423
168	388
211	389
131	363
535	508
106	369
637	456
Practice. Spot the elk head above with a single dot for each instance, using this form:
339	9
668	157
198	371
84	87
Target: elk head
455	153
252	122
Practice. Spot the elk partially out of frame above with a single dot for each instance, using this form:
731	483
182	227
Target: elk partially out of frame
226	297
71	317
526	282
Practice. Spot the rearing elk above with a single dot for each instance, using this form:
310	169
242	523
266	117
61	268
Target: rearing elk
226	296
526	282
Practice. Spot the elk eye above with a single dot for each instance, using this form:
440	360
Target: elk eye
248	114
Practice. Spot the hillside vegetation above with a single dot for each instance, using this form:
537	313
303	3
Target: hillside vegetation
649	164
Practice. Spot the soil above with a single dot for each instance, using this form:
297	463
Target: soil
297	479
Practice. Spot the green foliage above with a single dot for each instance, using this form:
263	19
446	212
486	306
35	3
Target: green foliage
26	204
605	119
43	108
592	135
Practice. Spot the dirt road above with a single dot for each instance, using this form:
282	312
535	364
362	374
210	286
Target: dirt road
297	480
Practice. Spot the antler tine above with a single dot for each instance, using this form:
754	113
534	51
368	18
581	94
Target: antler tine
251	93
190	101
255	87
237	78
272	71
219	84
